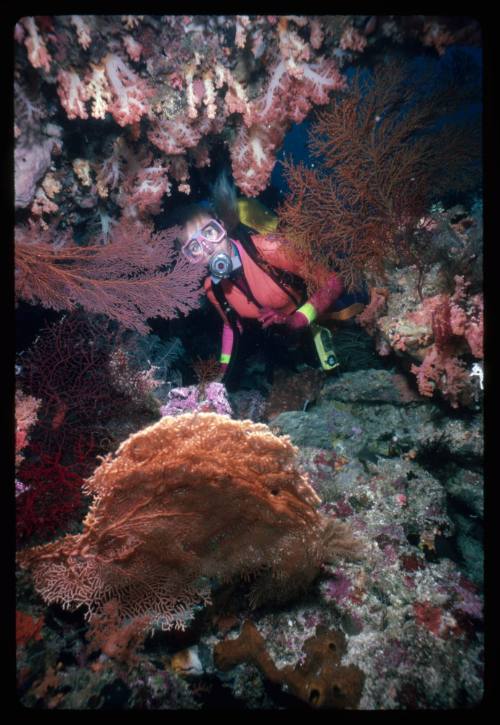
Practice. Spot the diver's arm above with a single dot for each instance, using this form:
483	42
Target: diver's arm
318	303
324	298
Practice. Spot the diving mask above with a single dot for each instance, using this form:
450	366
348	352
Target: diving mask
203	241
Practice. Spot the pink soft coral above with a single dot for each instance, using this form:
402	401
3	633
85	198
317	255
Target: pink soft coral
291	91
253	155
443	372
455	319
144	189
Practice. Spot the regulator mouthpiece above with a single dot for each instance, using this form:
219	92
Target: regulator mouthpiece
221	265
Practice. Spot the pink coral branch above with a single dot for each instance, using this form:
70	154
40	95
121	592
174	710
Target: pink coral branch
130	92
174	136
26	414
72	93
98	90
253	156
82	31
133	47
38	54
151	184
291	91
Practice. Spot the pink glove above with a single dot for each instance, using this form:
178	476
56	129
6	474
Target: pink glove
295	321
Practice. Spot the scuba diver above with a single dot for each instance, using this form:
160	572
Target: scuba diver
251	275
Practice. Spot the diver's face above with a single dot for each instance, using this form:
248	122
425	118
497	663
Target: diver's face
205	237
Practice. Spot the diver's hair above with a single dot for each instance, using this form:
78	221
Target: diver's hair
225	202
185	213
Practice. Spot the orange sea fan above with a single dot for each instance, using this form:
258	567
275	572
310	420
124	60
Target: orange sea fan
188	503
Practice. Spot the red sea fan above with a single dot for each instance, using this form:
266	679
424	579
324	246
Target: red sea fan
132	278
27	628
53	497
67	368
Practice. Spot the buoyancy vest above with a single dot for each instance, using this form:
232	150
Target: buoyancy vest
260	283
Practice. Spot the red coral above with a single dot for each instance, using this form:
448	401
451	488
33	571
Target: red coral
441	323
144	188
317	35
26	417
98	90
109	635
82	31
352	39
133	48
455	319
175	135
437	36
94	58
456	316
292	90
27	628
375	309
318	79
289	96
428	616
474	326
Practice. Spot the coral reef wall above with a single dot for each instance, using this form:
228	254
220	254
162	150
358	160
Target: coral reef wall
162	90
